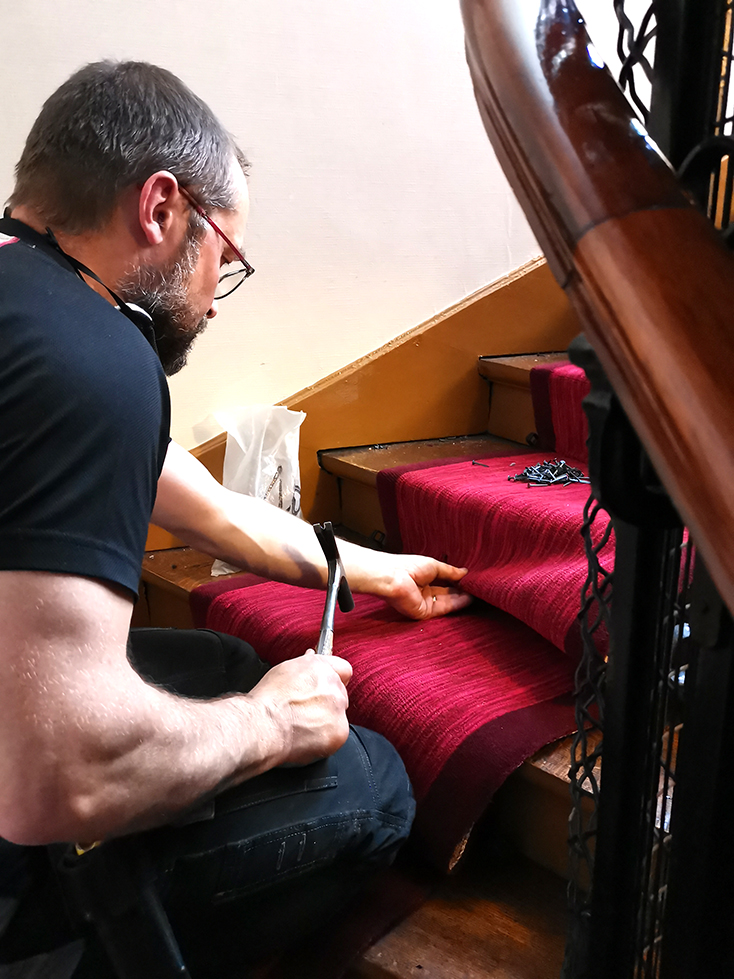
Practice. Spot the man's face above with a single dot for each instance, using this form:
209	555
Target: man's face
215	253
179	296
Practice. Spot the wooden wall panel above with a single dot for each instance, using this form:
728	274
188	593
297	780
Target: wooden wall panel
426	384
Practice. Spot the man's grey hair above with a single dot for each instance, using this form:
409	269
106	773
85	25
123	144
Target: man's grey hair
109	127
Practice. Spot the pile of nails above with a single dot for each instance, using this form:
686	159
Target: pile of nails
555	473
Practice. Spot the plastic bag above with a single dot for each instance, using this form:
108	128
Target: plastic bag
261	457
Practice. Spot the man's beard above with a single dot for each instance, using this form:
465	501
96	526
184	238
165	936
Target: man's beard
162	293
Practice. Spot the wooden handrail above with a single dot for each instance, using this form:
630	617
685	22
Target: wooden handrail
647	273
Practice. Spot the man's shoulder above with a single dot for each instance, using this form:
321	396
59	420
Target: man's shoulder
25	256
84	404
71	362
28	272
47	310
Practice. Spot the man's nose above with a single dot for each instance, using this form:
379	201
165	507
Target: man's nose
213	309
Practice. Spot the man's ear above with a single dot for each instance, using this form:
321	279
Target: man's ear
160	206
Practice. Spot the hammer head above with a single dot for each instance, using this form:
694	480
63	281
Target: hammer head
337	578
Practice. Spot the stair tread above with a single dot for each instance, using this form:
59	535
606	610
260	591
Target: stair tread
363	462
516	369
503	922
177	569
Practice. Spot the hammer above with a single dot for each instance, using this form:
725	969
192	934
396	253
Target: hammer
337	588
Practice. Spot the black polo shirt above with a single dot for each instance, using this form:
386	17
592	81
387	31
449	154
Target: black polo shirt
84	421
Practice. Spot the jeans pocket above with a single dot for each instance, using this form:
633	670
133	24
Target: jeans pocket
277	856
278	783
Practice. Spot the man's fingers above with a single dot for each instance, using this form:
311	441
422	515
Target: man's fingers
343	668
448	572
452	601
446	600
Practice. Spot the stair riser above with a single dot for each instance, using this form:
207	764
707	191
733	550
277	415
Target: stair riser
532	809
511	412
360	508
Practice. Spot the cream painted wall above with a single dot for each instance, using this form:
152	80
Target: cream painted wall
376	199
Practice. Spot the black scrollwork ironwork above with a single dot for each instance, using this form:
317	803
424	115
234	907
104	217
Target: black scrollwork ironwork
633	48
685	54
584	773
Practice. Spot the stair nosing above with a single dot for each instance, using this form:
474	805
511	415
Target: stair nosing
362	472
502	370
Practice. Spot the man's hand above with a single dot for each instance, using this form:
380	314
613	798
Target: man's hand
421	586
306	698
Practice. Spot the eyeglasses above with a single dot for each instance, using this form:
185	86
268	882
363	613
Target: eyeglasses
236	272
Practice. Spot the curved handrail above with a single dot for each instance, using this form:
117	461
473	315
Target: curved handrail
647	273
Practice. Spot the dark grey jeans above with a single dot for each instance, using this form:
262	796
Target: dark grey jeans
268	862
254	871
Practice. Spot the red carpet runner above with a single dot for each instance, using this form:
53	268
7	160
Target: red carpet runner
557	391
464	698
522	544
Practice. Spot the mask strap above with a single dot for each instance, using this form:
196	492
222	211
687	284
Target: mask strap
136	315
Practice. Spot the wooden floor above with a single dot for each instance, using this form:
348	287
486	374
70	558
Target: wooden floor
490	921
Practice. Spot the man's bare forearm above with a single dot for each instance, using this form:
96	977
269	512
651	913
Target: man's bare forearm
250	533
255	536
132	759
91	750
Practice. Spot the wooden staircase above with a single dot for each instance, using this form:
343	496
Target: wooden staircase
510	420
356	471
501	915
